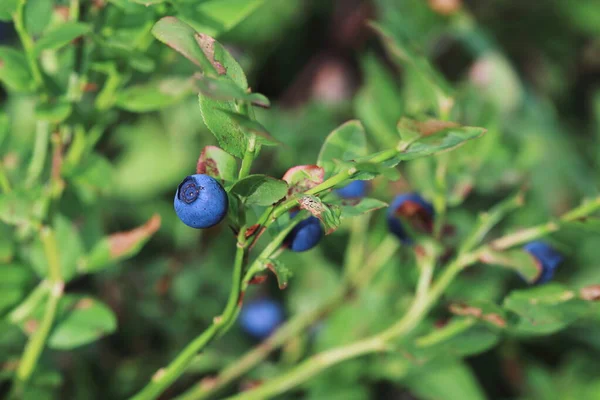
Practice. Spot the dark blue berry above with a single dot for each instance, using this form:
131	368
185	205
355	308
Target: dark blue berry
306	235
411	207
200	201
259	318
353	190
546	258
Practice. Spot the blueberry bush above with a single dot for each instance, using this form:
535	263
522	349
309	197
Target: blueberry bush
338	199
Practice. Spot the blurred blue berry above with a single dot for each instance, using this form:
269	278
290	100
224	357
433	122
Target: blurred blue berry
411	207
546	258
200	201
259	318
353	190
306	235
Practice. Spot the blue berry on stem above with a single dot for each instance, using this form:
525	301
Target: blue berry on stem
353	190
261	317
200	201
306	235
413	208
547	259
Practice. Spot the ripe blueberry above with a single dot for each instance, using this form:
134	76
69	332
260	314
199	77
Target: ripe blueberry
546	258
353	190
306	235
200	201
259	318
411	207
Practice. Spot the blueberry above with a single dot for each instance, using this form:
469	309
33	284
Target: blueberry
411	207
306	235
546	258
353	190
200	201
259	318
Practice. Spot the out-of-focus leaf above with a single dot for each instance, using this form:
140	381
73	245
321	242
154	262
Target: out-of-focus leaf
13	287
217	163
93	177
261	190
328	214
14	70
448	381
345	143
365	205
302	178
83	320
154	95
427	85
38	14
119	246
61	36
22	206
545	309
7	8
70	248
214	17
378	104
54	112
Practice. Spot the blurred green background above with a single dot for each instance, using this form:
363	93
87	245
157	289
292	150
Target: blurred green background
528	71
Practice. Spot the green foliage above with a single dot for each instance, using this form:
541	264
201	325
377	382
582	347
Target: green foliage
105	293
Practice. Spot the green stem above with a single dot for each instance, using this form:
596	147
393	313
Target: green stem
166	376
300	323
441	195
312	367
4	182
27	43
33	300
248	158
40	150
37	341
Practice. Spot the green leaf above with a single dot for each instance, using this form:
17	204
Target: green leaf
13	287
22	206
282	272
14	70
227	131
517	260
428	140
7	9
447	381
154	95
83	320
328	214
214	17
182	38
61	36
119	246
545	309
250	126
38	14
261	190
222	60
54	112
223	88
217	163
93	177
148	2
70	246
302	178
424	83
345	143
378	103
459	337
364	206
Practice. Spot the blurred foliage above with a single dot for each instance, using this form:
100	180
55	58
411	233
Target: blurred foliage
99	122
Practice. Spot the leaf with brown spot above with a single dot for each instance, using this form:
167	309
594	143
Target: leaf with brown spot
328	214
216	162
590	293
302	178
484	311
282	272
